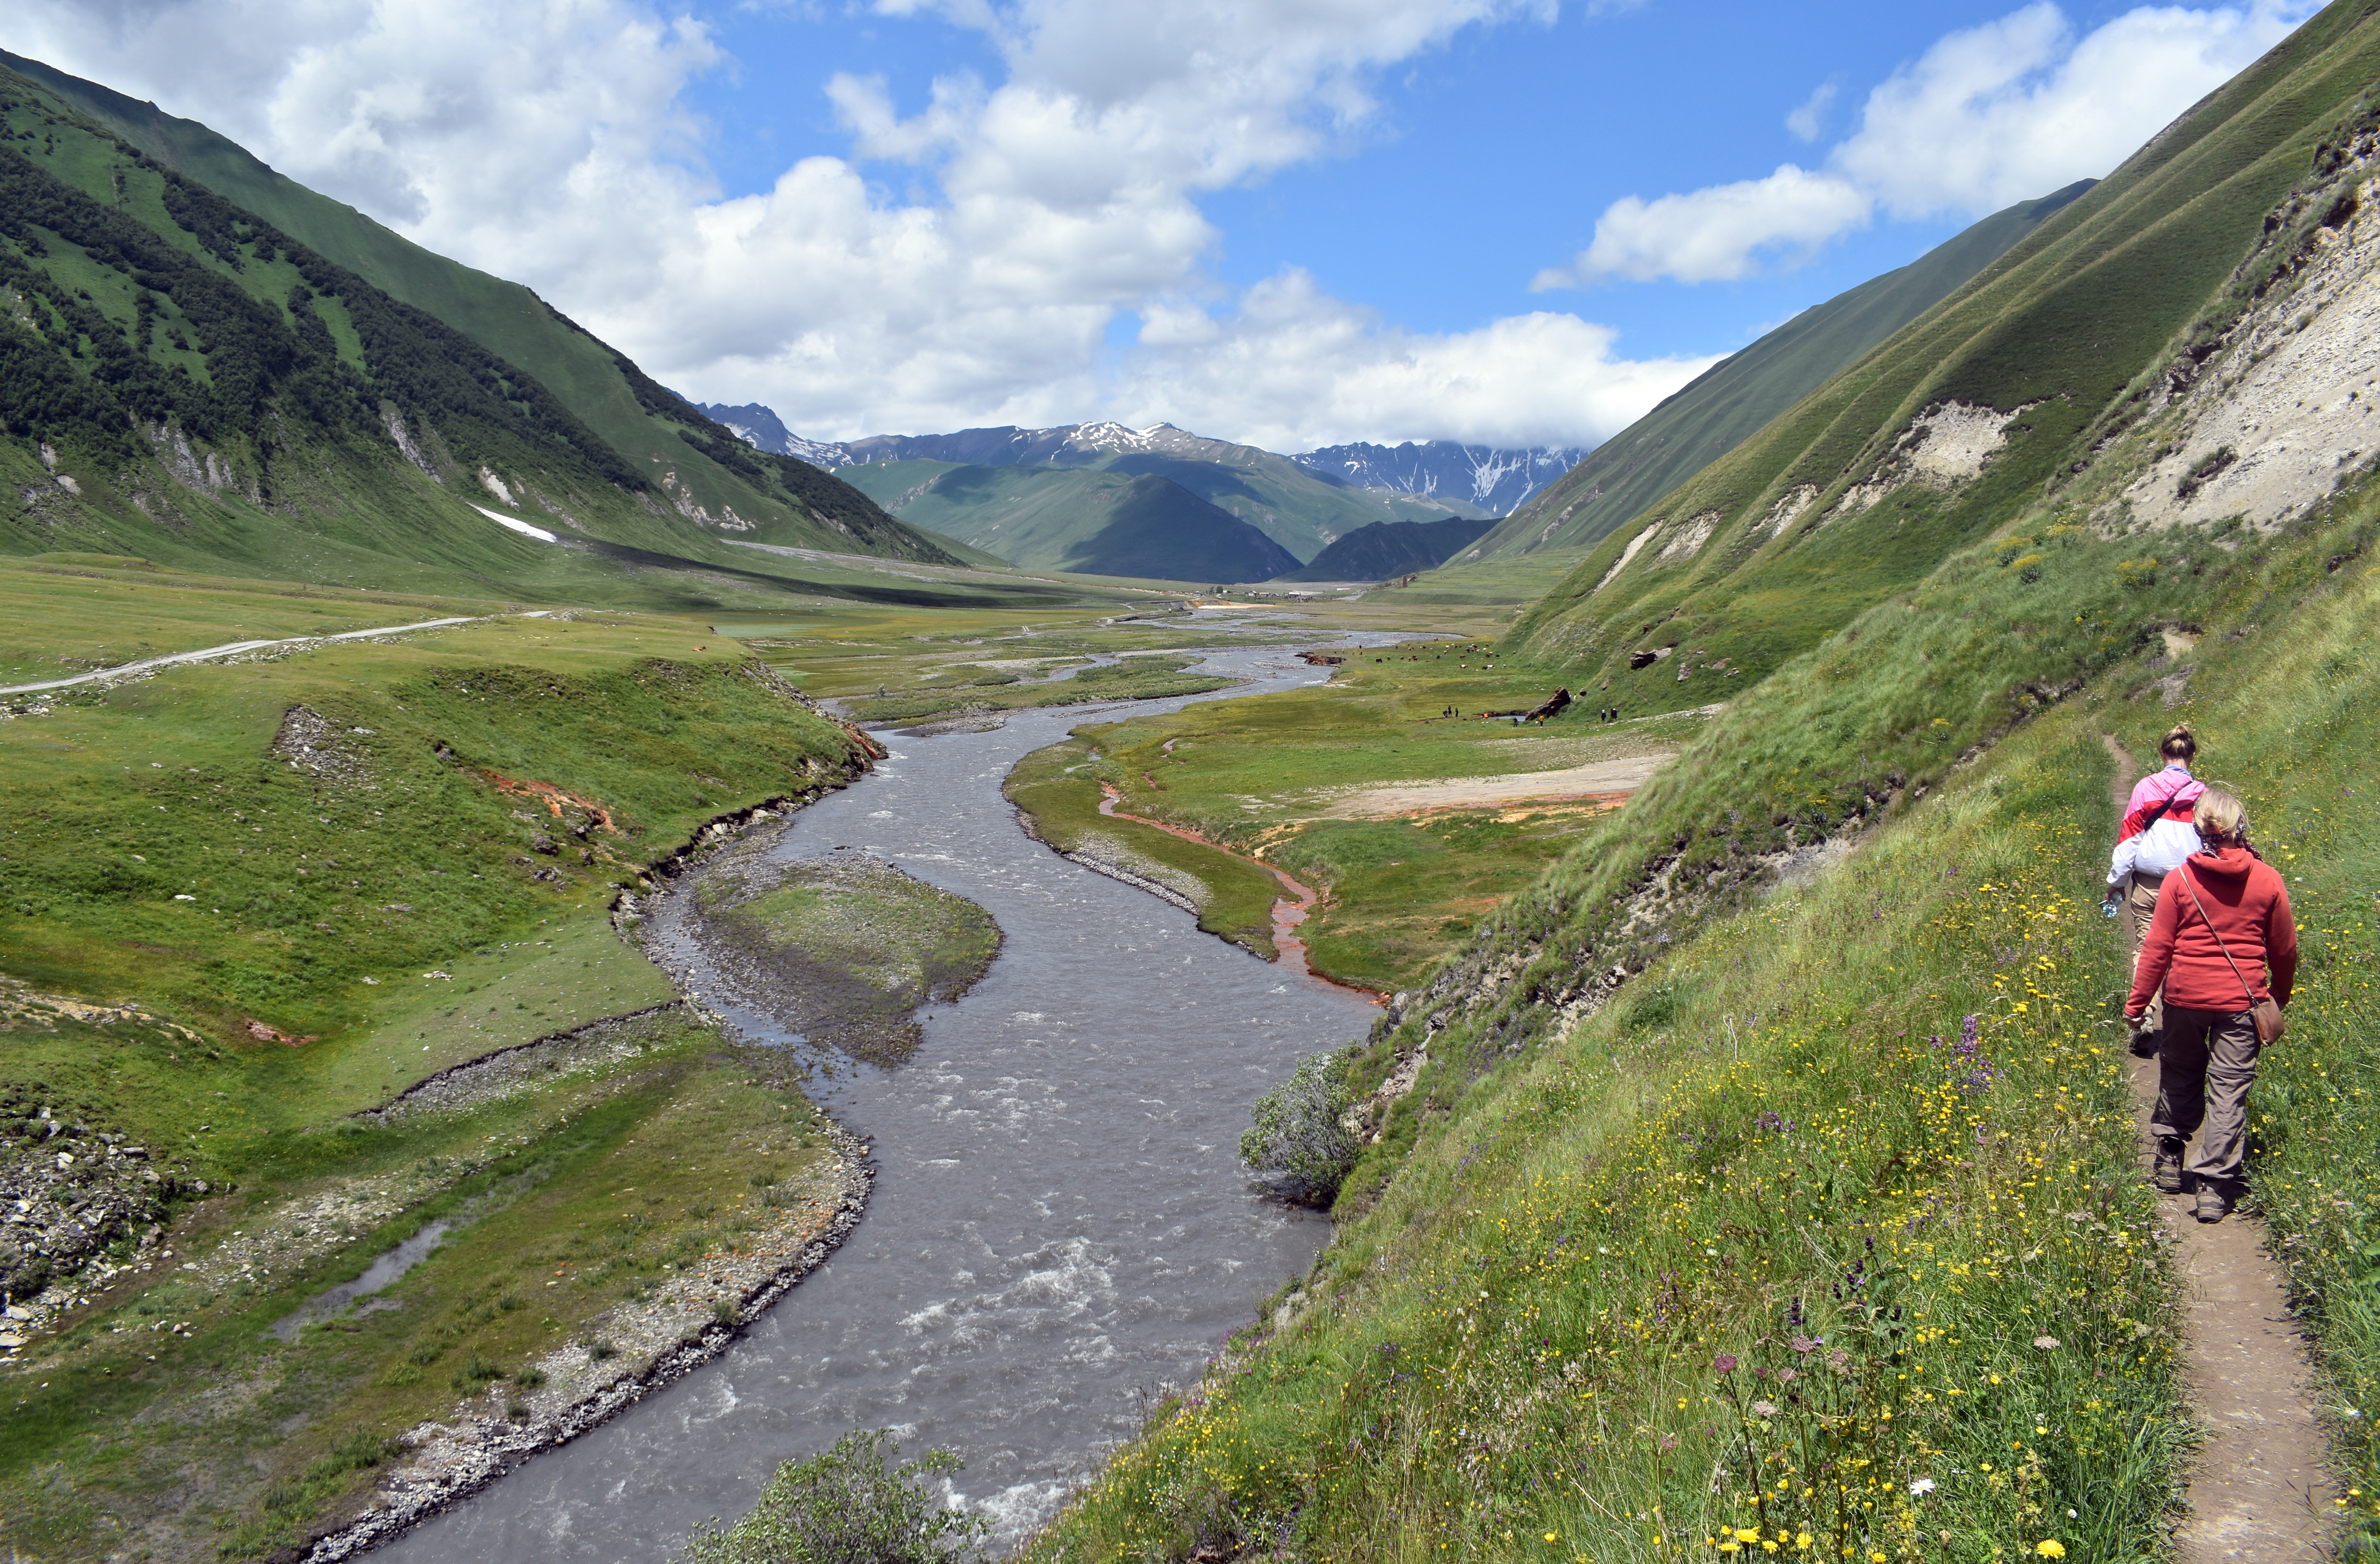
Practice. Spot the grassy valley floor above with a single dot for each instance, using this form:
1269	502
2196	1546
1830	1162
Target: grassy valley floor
1414	822
257	921
321	937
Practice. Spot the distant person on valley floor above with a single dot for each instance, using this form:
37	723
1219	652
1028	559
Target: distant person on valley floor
2222	940
2156	836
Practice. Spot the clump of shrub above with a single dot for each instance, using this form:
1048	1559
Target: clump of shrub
849	1504
1297	1145
2203	470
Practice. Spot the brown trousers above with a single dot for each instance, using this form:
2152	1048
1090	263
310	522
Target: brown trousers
2203	1073
2140	907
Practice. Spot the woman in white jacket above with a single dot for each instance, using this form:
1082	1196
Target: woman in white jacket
2156	839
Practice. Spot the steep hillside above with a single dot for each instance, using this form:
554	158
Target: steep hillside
1767	1177
1998	402
693	465
1727	402
1080	519
1389	548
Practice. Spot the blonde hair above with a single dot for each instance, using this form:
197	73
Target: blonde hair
2221	816
2180	745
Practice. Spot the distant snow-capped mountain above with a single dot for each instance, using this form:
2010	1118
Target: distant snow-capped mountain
1004	446
760	427
1484	479
1495	480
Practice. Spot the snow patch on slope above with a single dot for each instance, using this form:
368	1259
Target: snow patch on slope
516	525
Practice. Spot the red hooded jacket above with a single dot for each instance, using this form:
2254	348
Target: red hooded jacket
2248	906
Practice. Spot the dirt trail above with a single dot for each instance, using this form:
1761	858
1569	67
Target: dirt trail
2259	1490
148	665
1287	911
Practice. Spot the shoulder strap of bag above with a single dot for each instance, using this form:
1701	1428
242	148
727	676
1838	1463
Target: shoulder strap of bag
2244	986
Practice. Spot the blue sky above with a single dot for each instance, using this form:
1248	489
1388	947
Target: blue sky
1289	222
1493	156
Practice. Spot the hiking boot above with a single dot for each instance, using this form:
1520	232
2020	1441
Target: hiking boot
2213	1204
2166	1173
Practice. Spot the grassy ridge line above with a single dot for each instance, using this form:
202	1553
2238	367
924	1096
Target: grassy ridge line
235	412
1512	1355
2061	326
639	420
1737	397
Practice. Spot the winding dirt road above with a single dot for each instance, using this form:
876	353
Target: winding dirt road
148	665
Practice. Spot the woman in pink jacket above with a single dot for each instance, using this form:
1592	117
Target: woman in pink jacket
2155	838
2222	940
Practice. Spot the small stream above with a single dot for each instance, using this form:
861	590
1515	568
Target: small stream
1060	1222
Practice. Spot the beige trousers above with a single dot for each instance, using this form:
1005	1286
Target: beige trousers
2140	907
2204	1068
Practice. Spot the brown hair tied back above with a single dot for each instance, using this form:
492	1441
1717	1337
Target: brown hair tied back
2180	745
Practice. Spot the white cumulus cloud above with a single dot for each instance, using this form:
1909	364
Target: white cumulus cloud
1718	233
553	141
1987	116
1291	367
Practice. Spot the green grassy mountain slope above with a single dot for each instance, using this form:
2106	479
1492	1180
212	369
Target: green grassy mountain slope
1390	548
1300	510
1767	1179
181	381
694	465
1987	406
1081	519
1728	402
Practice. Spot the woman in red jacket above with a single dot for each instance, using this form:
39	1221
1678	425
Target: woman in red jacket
2222	921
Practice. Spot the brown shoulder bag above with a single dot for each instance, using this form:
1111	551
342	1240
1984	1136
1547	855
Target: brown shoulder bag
2263	1012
